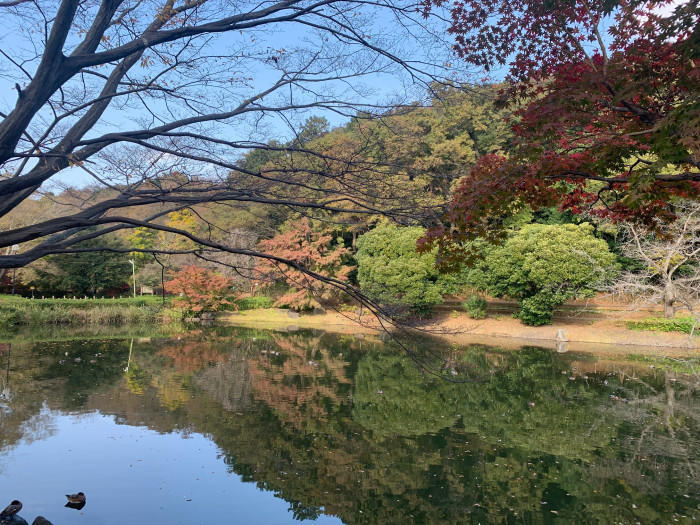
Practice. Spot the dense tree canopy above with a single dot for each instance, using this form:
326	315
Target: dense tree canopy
87	272
542	266
607	122
179	114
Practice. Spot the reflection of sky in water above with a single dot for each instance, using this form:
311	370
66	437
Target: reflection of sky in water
146	477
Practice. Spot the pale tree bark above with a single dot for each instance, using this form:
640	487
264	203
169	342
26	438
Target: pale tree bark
670	255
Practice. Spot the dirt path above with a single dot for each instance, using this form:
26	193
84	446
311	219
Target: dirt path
603	337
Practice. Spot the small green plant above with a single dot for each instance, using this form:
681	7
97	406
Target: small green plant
9	317
663	324
475	307
255	302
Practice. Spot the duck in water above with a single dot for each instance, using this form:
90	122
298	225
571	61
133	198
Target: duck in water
76	501
76	498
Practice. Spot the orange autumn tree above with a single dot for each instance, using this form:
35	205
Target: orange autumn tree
187	356
199	289
316	251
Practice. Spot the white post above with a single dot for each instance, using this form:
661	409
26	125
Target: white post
133	274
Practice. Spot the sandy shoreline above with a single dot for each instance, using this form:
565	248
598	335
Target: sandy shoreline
605	336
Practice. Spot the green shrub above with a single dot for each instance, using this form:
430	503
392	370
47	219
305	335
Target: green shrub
255	302
475	307
391	272
9	317
542	266
662	324
538	309
171	315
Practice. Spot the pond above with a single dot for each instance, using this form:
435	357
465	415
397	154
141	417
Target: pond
234	425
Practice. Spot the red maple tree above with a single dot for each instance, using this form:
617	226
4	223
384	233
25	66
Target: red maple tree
606	110
199	289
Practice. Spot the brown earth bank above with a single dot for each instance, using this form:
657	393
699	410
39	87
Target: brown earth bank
605	336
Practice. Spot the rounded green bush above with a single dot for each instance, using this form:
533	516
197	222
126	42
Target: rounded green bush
475	306
391	272
542	266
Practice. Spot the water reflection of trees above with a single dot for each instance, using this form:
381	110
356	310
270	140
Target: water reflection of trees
54	375
351	428
301	379
661	452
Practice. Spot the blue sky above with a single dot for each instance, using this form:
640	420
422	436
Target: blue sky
380	88
377	88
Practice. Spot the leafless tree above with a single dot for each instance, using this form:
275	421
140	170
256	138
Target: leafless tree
671	262
157	99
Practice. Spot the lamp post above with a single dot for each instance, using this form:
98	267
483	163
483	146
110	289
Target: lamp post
133	274
13	251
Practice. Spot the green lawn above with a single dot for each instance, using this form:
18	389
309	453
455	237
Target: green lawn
661	324
141	300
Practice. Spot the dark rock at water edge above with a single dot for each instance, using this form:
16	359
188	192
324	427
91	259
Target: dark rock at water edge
15	519
41	520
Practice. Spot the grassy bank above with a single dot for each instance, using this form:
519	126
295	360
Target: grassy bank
18	311
686	325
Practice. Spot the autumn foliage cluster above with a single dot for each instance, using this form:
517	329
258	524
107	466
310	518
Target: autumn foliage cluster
605	122
312	250
199	289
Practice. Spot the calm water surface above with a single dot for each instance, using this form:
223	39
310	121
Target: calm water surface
242	426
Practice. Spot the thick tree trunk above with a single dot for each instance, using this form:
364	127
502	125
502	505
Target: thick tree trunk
669	300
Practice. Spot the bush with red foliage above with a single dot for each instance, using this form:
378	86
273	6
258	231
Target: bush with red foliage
199	289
